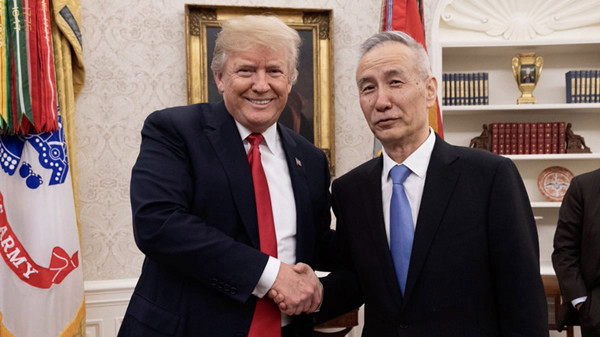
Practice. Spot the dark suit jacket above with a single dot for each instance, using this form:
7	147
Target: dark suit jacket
576	256
474	268
194	217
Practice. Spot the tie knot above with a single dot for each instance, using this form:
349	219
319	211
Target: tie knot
255	138
399	174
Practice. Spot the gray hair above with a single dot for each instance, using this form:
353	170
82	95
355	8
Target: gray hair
423	64
242	33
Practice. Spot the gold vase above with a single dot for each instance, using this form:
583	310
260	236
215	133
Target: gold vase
526	69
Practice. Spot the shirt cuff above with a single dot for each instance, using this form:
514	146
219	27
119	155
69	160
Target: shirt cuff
265	283
578	300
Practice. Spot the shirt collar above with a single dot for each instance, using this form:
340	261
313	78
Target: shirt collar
270	135
417	162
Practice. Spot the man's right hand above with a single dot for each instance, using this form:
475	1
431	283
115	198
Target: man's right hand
296	289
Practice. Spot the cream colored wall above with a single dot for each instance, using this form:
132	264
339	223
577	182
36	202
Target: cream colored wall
135	61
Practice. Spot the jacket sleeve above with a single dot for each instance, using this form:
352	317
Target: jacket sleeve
164	193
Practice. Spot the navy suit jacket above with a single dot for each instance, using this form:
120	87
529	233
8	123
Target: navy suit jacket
194	217
474	268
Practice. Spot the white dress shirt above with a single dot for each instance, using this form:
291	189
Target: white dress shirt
578	300
283	204
417	162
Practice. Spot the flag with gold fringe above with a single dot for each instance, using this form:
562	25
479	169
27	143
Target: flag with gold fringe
407	16
41	279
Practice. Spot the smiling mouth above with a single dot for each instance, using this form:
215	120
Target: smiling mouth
259	101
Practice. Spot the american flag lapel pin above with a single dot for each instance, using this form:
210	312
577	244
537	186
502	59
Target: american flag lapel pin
298	162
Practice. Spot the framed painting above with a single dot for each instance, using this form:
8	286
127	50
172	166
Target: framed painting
309	109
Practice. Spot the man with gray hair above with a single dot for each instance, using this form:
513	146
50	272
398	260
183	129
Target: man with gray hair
228	204
435	239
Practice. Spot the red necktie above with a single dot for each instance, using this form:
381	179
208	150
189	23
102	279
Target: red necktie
267	319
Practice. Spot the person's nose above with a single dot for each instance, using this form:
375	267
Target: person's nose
260	83
382	102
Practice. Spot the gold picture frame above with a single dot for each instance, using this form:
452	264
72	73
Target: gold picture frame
315	79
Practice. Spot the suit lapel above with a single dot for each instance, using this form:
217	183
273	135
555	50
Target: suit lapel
370	188
226	141
300	182
439	186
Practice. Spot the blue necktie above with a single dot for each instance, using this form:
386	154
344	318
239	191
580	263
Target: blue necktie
401	225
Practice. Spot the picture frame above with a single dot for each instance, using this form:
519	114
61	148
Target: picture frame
528	73
310	108
527	68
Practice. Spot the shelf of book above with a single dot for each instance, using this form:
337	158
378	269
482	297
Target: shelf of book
562	108
460	126
496	62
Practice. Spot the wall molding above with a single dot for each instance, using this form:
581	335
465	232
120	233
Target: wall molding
518	20
106	302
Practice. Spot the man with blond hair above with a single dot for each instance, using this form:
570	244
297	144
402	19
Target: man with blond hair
228	204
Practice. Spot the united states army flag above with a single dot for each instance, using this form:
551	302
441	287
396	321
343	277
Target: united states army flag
41	282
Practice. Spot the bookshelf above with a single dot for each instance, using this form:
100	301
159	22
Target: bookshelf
465	40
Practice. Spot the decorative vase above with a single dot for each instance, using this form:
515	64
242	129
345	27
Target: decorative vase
526	69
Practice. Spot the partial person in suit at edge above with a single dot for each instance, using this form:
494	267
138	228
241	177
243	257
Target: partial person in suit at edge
218	232
466	261
576	256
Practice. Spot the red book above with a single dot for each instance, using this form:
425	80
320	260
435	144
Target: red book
514	136
501	138
507	138
526	138
554	140
533	138
562	140
547	137
495	138
540	141
520	138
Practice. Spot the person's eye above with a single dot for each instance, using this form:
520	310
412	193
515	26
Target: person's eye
275	72
367	89
395	82
244	72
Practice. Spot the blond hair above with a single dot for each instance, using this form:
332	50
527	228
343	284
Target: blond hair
242	33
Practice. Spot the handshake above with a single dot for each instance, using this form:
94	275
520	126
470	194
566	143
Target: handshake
296	289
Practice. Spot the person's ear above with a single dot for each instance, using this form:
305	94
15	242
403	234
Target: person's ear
219	80
431	90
